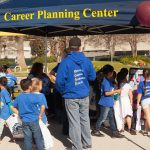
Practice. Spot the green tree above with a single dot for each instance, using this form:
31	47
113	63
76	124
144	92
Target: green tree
37	47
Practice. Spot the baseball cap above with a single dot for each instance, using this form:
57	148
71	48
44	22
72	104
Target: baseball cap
74	42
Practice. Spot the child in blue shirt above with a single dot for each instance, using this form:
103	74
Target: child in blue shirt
36	89
4	104
107	103
11	79
26	106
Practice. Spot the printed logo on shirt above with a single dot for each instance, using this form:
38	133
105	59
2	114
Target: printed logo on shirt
1	104
78	76
147	90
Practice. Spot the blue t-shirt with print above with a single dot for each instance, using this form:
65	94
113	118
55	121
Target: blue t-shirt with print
146	86
27	104
11	80
106	86
4	101
43	99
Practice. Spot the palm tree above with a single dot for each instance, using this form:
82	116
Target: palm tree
20	55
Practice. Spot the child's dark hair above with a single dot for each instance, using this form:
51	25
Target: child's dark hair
3	81
146	74
120	77
107	68
124	70
5	67
25	84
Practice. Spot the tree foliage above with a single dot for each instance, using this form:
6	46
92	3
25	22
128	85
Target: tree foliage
37	47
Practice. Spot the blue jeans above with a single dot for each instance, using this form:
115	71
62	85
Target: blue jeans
79	122
104	113
32	130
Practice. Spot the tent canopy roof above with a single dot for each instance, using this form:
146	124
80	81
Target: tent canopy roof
44	3
124	23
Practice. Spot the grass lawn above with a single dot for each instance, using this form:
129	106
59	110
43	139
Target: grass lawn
97	66
115	64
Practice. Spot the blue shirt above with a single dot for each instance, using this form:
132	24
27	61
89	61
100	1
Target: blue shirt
73	76
106	86
4	108
27	104
11	80
43	99
146	86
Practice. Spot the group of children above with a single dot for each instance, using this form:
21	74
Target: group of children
116	100
30	105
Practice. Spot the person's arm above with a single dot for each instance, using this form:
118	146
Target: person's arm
140	92
42	110
61	77
92	73
139	99
15	110
111	93
131	97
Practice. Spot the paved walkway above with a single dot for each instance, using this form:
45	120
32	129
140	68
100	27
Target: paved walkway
130	142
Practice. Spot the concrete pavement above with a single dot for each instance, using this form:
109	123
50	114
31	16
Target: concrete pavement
130	142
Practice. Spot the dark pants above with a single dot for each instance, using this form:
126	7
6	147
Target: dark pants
32	129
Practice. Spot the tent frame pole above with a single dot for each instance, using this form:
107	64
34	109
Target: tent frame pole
45	63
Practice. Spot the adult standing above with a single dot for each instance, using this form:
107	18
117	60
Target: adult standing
37	72
72	81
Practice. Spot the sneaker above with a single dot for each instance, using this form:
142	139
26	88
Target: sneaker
87	147
116	134
145	133
131	131
121	131
97	133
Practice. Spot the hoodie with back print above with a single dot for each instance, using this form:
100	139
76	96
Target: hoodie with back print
73	76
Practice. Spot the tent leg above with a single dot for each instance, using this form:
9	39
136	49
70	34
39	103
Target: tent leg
45	55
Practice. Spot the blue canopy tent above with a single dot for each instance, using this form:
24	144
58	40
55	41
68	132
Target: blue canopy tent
70	17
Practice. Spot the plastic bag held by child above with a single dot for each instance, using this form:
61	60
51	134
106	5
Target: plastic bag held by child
15	125
47	137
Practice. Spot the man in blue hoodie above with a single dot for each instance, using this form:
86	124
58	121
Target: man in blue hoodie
72	81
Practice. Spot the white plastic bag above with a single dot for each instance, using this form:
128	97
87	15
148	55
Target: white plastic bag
47	137
138	119
118	116
15	125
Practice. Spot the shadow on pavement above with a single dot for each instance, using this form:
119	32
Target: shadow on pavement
56	131
7	133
